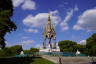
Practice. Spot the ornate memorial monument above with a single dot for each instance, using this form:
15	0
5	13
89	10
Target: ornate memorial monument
49	36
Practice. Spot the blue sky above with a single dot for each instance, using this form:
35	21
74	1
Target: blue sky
73	19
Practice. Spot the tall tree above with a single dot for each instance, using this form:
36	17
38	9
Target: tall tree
34	50
6	24
71	46
67	46
91	45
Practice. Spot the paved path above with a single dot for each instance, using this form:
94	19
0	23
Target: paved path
71	60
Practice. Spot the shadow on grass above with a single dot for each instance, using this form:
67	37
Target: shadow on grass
16	60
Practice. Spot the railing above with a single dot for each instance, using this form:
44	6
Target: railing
50	54
60	54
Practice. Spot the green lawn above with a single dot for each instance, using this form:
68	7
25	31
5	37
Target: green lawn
24	60
41	61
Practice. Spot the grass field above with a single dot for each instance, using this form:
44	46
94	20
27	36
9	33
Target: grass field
24	60
41	61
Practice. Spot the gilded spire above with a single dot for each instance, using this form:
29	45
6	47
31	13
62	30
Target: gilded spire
49	32
49	18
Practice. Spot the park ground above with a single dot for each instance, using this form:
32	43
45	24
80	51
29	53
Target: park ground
41	61
25	60
71	60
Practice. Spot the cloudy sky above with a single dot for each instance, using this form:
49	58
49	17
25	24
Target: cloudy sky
73	19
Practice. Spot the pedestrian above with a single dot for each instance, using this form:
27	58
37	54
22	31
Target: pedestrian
60	60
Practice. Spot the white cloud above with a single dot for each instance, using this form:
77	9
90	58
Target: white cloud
41	18
29	4
27	42
55	12
86	21
82	42
64	24
38	46
6	42
31	30
16	3
23	43
63	4
25	4
9	44
76	8
70	14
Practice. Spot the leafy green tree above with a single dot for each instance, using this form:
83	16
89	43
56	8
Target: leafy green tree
81	48
10	51
91	45
71	46
2	54
34	50
26	51
31	50
16	49
6	24
67	46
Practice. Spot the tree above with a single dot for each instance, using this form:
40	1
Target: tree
16	49
11	51
34	50
71	46
91	45
81	48
31	50
26	51
67	46
6	24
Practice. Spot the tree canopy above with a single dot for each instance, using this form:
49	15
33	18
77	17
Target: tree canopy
6	24
70	46
91	45
31	50
67	46
11	51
